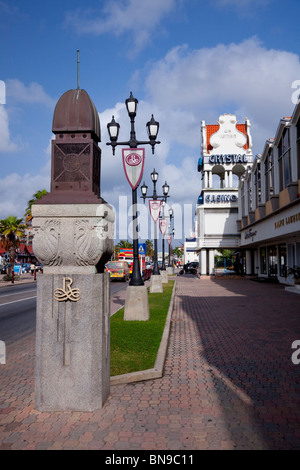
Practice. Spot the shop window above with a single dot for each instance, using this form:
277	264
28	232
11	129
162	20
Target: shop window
282	260
257	186
249	196
243	199
263	261
272	261
284	159
269	174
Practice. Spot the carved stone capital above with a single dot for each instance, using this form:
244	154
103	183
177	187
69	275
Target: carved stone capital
73	238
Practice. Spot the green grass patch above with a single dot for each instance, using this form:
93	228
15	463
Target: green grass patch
134	344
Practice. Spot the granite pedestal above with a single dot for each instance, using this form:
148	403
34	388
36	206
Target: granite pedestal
156	283
72	342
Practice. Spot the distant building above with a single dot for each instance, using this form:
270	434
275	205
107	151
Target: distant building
226	157
190	254
269	205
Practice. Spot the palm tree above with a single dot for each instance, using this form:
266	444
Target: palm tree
177	251
120	245
11	230
124	244
37	195
150	251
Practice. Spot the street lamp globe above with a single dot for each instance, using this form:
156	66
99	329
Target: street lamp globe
165	189
131	105
152	128
154	176
113	128
144	189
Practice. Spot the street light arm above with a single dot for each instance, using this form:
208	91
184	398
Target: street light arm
133	143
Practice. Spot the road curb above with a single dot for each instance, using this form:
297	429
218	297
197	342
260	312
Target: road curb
157	371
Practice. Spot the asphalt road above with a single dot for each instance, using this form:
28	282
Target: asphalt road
18	310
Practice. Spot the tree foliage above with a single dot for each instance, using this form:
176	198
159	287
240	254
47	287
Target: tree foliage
11	230
38	195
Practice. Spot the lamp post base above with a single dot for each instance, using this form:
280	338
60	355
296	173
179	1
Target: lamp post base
164	276
170	270
136	304
156	283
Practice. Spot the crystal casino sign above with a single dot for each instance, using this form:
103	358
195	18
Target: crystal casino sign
209	198
222	159
133	163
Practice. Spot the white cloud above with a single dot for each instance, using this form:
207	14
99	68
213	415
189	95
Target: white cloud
6	145
113	181
33	93
119	17
16	190
188	86
245	79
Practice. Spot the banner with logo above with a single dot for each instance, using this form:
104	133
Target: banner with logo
133	163
169	239
163	225
155	207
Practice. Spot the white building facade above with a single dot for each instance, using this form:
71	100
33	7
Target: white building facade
269	205
226	158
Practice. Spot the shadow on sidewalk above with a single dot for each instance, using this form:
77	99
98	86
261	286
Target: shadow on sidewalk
245	335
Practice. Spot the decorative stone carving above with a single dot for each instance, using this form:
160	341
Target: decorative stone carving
47	238
86	243
228	139
73	237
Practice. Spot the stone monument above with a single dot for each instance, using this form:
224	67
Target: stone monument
73	239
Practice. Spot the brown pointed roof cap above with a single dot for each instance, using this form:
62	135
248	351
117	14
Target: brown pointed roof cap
75	112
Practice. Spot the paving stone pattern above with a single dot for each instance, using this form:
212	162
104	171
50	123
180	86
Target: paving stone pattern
229	382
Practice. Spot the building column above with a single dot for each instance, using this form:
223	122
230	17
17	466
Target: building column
226	179
209	179
205	179
203	262
256	261
230	179
248	262
211	262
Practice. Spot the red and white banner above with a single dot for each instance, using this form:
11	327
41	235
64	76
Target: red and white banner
155	207
169	239
163	225
133	163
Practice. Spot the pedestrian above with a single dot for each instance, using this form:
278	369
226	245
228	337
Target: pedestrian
32	267
237	265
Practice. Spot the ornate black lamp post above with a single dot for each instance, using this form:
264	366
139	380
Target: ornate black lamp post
155	197
113	130
171	217
163	264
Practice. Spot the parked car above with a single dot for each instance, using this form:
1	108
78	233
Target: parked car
118	270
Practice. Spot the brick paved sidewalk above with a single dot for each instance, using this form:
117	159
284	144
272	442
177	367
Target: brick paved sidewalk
229	381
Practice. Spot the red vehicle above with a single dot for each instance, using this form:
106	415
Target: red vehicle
126	254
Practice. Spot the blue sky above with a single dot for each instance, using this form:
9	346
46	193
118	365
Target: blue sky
185	60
